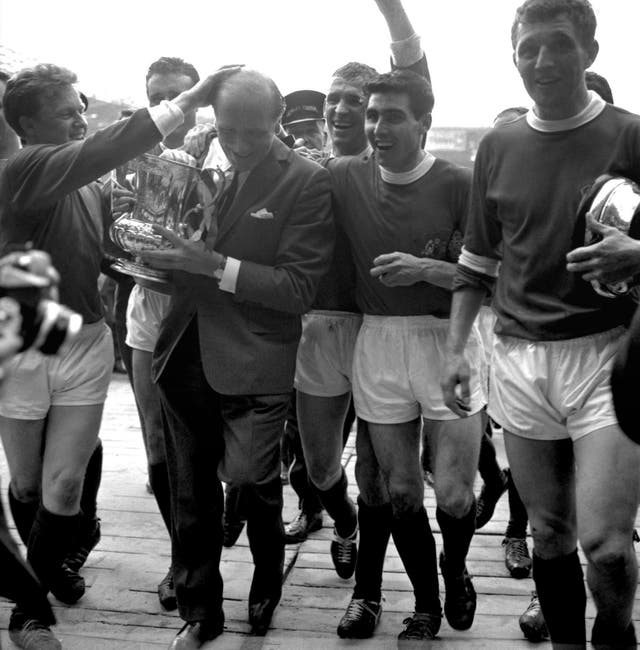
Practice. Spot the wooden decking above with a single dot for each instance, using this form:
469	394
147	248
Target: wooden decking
120	609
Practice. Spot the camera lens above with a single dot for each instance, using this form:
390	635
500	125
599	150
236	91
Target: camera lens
54	325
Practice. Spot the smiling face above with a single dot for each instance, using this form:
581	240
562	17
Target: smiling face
344	114
167	87
394	132
246	125
60	118
552	61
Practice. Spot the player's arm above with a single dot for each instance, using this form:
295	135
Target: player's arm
402	269
406	48
456	373
615	258
42	175
475	276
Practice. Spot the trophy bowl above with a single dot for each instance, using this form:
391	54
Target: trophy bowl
162	189
615	201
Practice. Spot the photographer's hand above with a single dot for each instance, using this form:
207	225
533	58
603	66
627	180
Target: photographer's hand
10	339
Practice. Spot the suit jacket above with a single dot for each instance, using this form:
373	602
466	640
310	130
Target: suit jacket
248	340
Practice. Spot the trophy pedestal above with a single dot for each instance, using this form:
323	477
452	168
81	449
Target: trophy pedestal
139	270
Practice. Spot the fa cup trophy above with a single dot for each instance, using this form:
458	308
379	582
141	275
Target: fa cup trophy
614	201
167	193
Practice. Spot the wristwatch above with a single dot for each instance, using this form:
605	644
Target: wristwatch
217	274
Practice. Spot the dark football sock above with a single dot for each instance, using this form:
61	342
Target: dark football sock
417	549
24	514
456	538
560	586
488	467
518	517
606	638
52	537
91	485
375	529
340	507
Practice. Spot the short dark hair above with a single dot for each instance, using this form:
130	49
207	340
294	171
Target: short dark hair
418	89
26	89
579	12
356	74
258	81
599	84
172	65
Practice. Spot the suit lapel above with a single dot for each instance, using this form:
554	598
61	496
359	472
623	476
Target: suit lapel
258	184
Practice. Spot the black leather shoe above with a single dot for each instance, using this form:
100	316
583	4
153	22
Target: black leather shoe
299	529
194	635
261	613
516	557
460	597
532	621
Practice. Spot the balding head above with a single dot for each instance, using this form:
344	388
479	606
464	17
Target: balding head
248	108
246	85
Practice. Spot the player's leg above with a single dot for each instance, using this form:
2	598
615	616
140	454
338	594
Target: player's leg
321	421
454	449
608	493
544	474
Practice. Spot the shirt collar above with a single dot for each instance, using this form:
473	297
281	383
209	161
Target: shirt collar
404	178
595	106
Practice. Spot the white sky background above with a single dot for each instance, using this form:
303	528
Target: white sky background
299	43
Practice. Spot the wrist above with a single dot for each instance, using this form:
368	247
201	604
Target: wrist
219	270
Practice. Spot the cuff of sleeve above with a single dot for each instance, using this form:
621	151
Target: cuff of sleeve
406	52
229	278
466	277
479	263
167	116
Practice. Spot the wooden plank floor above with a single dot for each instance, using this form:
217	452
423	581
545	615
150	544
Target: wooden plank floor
120	609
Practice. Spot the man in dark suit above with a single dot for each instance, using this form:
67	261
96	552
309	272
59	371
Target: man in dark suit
226	353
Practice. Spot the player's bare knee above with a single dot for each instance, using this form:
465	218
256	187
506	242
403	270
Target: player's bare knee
322	479
454	498
24	491
608	552
64	489
552	536
406	497
367	476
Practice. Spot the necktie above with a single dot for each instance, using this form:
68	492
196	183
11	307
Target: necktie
220	209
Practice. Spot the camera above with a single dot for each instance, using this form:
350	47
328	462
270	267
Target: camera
31	281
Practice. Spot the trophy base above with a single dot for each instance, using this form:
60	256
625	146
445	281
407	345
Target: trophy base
139	270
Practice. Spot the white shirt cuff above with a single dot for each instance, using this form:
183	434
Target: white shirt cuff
479	263
167	116
229	277
406	52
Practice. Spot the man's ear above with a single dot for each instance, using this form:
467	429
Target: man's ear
26	124
592	51
426	122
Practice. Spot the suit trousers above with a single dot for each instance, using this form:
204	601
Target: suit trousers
239	436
